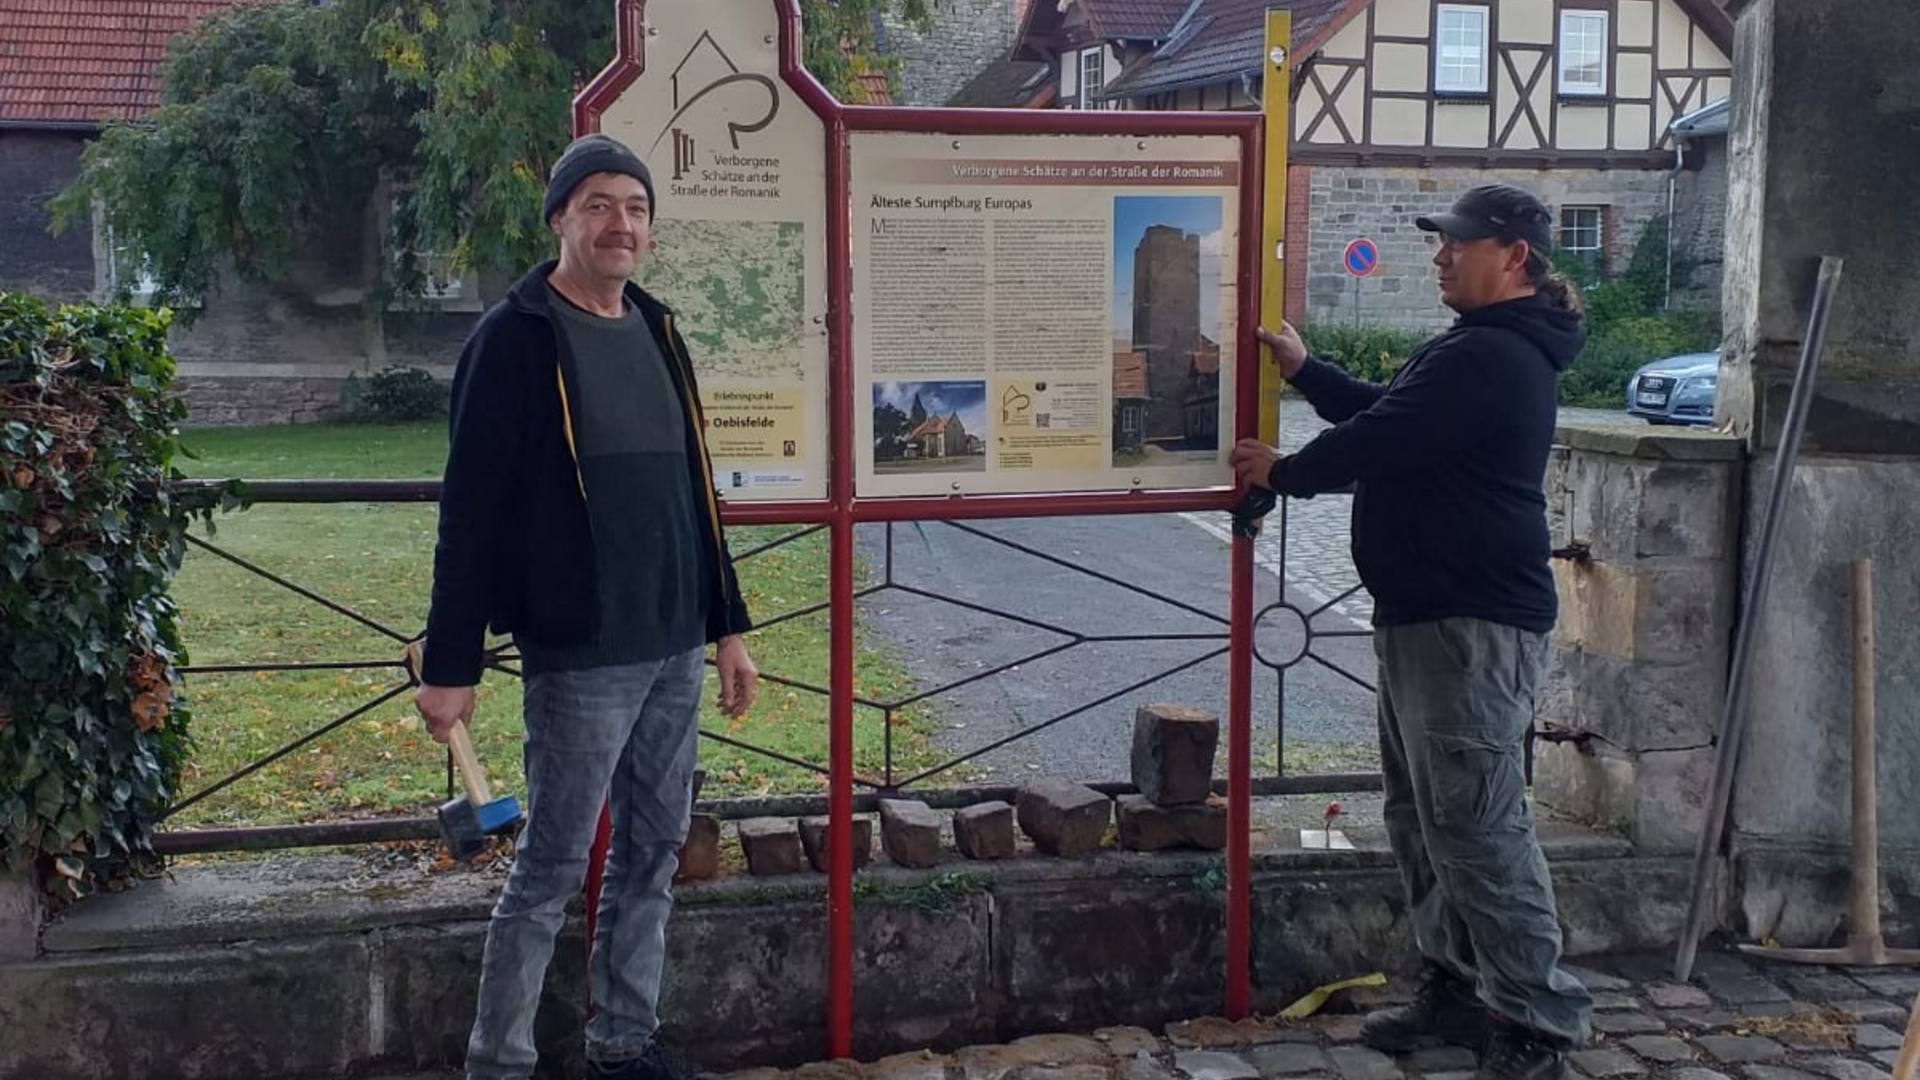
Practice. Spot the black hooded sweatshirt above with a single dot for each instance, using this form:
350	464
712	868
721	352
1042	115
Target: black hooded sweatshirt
1448	461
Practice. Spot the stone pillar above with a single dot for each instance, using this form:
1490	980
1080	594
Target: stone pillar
1639	667
21	913
1825	160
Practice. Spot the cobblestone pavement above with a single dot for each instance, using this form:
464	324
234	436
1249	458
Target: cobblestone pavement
1737	1020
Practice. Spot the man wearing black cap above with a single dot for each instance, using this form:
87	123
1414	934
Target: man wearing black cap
1450	536
578	514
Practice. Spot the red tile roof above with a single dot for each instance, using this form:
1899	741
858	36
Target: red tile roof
87	61
1220	40
1149	19
1129	372
933	425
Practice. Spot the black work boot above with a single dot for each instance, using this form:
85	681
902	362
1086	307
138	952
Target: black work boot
656	1062
1514	1052
1444	1010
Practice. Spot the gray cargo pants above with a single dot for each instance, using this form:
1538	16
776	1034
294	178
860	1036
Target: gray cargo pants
1456	702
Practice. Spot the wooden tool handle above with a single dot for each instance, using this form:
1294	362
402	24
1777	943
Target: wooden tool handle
471	774
1910	1046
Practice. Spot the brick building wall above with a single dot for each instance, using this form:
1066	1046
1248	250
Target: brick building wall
967	35
1381	203
34	167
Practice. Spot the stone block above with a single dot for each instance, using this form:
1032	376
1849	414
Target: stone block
1597	981
1443	1059
261	987
1666	613
1873	1010
1363	1063
1627	1023
1290	1059
1687	509
1741	1049
1214	1065
910	832
984	830
1147	827
21	912
1173	748
1676	996
1594	786
1774	1072
772	846
1601	1064
917	1065
813	839
1798	741
1664	1049
1875	1037
700	854
1064	818
1125	1042
1839	1068
1826	987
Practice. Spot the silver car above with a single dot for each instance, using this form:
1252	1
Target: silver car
1677	390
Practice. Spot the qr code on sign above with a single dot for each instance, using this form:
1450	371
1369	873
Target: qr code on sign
1041	420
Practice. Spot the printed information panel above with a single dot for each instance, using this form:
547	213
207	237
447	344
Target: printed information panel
1043	313
739	163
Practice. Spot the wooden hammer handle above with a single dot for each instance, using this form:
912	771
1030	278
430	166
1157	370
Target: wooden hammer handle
471	774
458	741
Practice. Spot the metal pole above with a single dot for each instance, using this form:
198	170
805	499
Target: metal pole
1246	424
841	597
1239	774
1866	821
1734	718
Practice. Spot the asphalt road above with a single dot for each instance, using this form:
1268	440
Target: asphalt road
1160	575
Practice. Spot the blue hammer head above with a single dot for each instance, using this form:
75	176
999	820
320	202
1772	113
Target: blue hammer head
465	825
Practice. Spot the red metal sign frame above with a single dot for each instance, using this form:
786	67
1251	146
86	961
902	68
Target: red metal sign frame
842	510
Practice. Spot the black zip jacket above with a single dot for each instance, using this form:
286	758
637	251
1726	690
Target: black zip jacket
515	550
1448	462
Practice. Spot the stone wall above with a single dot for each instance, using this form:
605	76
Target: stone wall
34	167
259	356
967	35
1640	655
1700	224
206	975
1800	186
1381	203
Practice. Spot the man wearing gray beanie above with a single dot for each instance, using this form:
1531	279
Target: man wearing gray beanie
578	514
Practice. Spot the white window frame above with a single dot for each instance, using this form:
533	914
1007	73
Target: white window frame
454	291
1599	227
1096	59
108	251
1480	12
1570	88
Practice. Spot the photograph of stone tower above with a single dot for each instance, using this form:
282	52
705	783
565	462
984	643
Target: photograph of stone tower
1166	328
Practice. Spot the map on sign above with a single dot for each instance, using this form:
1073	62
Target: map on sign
735	288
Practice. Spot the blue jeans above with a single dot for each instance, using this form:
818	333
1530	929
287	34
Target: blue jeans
624	735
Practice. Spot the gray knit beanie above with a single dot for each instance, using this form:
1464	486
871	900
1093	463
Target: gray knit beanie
591	154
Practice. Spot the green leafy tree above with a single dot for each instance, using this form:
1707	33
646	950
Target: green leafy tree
286	129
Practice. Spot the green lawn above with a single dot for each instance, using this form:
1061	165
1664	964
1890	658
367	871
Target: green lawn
377	559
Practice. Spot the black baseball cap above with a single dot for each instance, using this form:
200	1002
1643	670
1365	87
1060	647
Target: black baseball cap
1495	210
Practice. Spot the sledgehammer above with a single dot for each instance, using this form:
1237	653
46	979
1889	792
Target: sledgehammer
466	823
